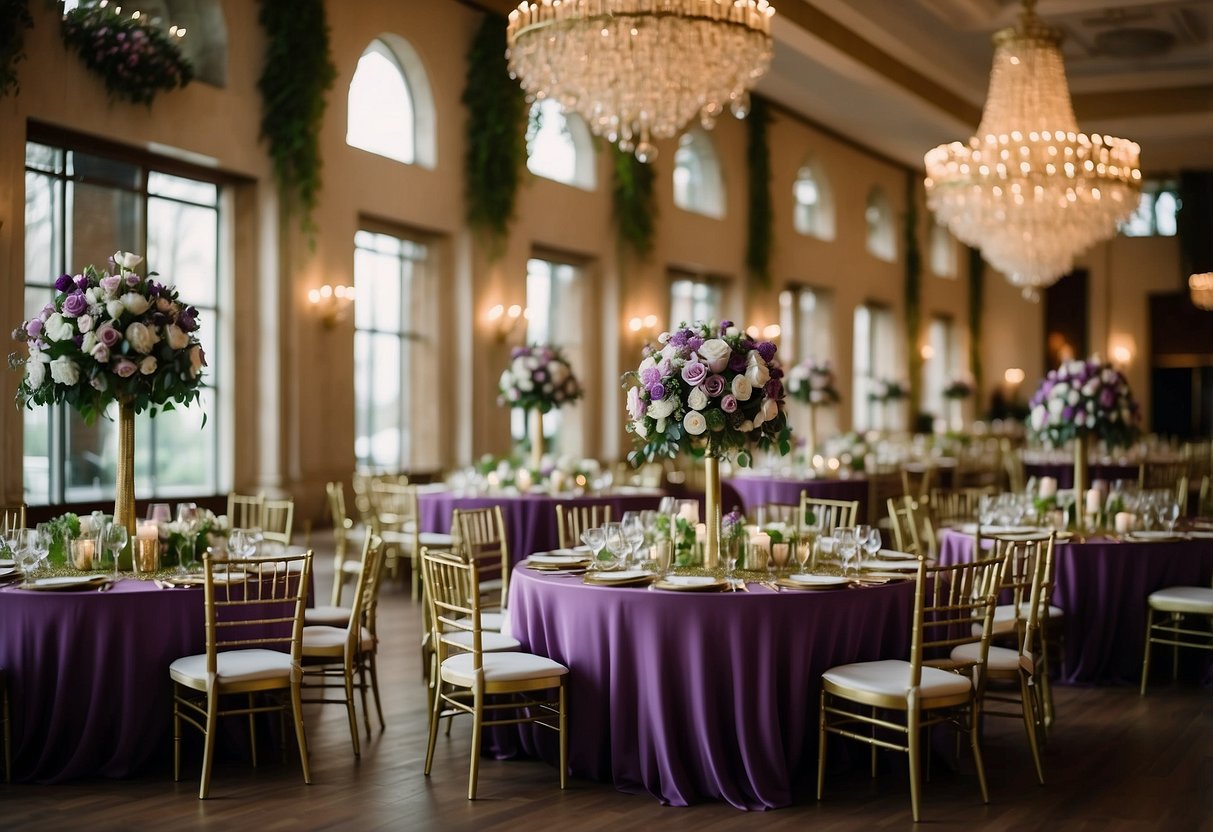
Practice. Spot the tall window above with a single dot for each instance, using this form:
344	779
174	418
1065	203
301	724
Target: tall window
698	184
694	298
80	208
389	276
1155	214
874	359
556	315
882	234
942	250
558	146
391	112
814	212
805	322
939	365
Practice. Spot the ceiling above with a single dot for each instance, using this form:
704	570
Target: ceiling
901	76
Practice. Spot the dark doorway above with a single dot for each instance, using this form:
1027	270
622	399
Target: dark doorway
1066	319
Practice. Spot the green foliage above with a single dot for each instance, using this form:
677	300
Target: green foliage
14	20
496	138
633	203
298	73
760	220
135	59
913	289
977	268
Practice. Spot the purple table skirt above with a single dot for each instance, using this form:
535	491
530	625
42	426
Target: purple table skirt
1102	586
1064	472
758	491
693	696
530	519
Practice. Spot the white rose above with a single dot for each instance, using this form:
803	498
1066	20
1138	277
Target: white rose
65	371
660	426
648	363
141	337
148	365
135	303
90	341
661	408
694	423
505	382
531	362
715	352
1038	418
114	309
127	260
197	360
732	332
770	408
58	329
758	375
741	388
35	369
559	371
525	385
697	400
639	428
84	323
518	365
91	295
1073	397
746	426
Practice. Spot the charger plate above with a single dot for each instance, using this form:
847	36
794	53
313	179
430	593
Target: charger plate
624	577
1152	535
692	583
66	583
814	582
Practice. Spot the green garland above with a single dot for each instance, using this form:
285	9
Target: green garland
14	20
977	268
913	291
496	137
633	203
760	231
134	58
298	73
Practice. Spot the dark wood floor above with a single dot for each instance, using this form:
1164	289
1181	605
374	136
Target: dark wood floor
1115	762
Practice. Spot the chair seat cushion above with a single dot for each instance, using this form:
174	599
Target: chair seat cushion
496	621
1004	617
490	642
891	677
436	540
326	639
233	666
328	616
1194	599
351	567
998	659
501	667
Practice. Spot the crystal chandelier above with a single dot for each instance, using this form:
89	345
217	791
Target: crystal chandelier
640	70
1200	289
1028	189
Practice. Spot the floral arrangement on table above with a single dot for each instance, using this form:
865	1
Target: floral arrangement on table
886	390
212	530
539	378
134	58
733	526
111	336
851	449
682	537
1084	398
708	390
560	475
958	388
812	382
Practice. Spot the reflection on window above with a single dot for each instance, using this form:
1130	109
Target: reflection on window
70	223
694	298
942	251
387	278
1155	214
698	186
814	211
558	146
805	323
874	358
882	236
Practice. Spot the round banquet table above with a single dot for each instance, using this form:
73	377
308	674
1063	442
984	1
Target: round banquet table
1102	585
758	491
691	696
1063	472
530	519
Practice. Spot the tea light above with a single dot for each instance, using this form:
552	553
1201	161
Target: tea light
523	479
83	552
1124	522
1048	487
689	510
147	530
701	532
760	541
1094	501
145	553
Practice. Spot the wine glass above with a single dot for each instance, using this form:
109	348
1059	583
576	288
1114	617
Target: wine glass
633	533
780	554
848	549
595	538
25	552
240	544
804	549
160	512
114	537
615	548
44	537
873	544
1170	514
187	519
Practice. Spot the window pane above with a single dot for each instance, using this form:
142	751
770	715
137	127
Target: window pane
98	169
183	246
381	118
551	152
377	282
102	220
184	449
43	205
187	190
36	451
45	158
90	456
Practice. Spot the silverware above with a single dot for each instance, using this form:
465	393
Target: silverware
105	587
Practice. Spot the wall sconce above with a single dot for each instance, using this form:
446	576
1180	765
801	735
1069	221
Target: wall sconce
644	328
332	303
1013	376
768	333
1200	290
505	320
1121	350
927	352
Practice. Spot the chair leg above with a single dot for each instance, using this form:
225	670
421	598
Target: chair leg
208	743
435	710
252	729
564	735
1145	662
975	744
374	669
362	686
350	712
914	734
1027	703
477	723
300	731
176	737
1044	677
1178	621
873	752
821	746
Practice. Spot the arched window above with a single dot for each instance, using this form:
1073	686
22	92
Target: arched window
698	185
814	215
943	251
391	109
882	237
558	146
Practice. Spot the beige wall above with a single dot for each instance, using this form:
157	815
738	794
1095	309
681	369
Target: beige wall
292	408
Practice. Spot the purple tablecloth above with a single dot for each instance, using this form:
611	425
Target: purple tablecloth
530	519
1102	586
758	491
693	696
1064	472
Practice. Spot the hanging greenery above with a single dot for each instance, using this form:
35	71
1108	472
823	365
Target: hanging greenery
913	291
14	20
134	58
760	233
297	75
496	136
977	269
633	203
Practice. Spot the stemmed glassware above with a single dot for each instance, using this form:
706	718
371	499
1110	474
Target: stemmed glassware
114	538
616	547
810	533
848	549
873	543
241	544
160	512
187	519
633	534
595	538
1170	513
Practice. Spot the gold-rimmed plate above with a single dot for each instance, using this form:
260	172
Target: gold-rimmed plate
888	565
1152	536
814	582
552	560
692	583
66	583
623	577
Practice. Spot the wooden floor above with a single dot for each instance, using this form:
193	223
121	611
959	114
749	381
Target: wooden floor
1116	761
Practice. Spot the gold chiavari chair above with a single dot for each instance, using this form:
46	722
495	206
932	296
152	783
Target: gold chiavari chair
905	530
884	482
1170	619
1204	502
470	680
254	635
916	479
343	657
344	567
828	514
572	520
956	506
948	602
483	541
1161	474
244	511
12	517
277	519
1012	462
784	513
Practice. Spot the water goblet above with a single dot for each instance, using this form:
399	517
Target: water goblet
595	538
781	553
44	537
114	538
848	550
160	512
873	543
240	544
1170	514
633	534
615	549
827	544
804	549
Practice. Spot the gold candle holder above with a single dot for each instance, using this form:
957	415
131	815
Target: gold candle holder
146	554
84	553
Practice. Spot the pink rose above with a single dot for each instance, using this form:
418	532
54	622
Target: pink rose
124	367
728	403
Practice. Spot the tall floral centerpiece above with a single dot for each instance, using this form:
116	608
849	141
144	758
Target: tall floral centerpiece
886	392
812	383
538	379
956	392
708	391
112	336
1078	402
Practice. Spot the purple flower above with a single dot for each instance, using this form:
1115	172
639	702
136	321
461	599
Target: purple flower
694	343
724	325
81	281
1067	414
108	334
133	280
767	350
728	403
1107	398
540	376
657	391
124	367
665	367
773	389
187	320
679	338
776	371
713	385
110	283
33	328
63	283
737	362
650	376
694	372
75	305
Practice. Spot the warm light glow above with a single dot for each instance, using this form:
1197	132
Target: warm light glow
331	302
496	312
504	319
1200	288
1121	354
771	331
1014	376
927	352
635	324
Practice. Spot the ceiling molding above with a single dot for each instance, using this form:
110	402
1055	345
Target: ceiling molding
1139	103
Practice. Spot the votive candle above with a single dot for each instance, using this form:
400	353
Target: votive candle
1048	487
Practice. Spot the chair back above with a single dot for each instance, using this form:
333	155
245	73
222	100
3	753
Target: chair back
483	542
277	518
785	513
953	605
1012	463
916	480
1152	475
884	481
452	596
244	511
905	530
954	506
572	520
1028	578
12	517
365	606
255	604
830	514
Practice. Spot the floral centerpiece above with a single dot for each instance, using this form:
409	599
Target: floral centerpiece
113	336
134	58
708	391
538	379
812	382
958	388
886	390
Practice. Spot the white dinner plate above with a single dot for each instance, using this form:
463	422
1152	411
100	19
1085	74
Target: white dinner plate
7	562
66	582
818	580
621	576
5	571
889	565
889	554
692	583
971	528
1153	534
1197	534
553	559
